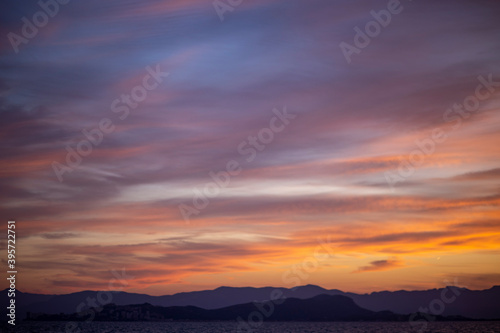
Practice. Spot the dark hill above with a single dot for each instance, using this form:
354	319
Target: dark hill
319	308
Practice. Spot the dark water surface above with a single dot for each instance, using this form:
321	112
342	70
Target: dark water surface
231	327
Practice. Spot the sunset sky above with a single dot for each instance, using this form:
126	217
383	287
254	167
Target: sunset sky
374	153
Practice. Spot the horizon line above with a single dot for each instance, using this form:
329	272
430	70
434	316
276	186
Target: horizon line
302	286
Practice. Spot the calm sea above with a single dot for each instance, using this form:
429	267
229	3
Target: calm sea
227	327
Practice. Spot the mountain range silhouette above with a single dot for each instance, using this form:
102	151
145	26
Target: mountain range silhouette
474	304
